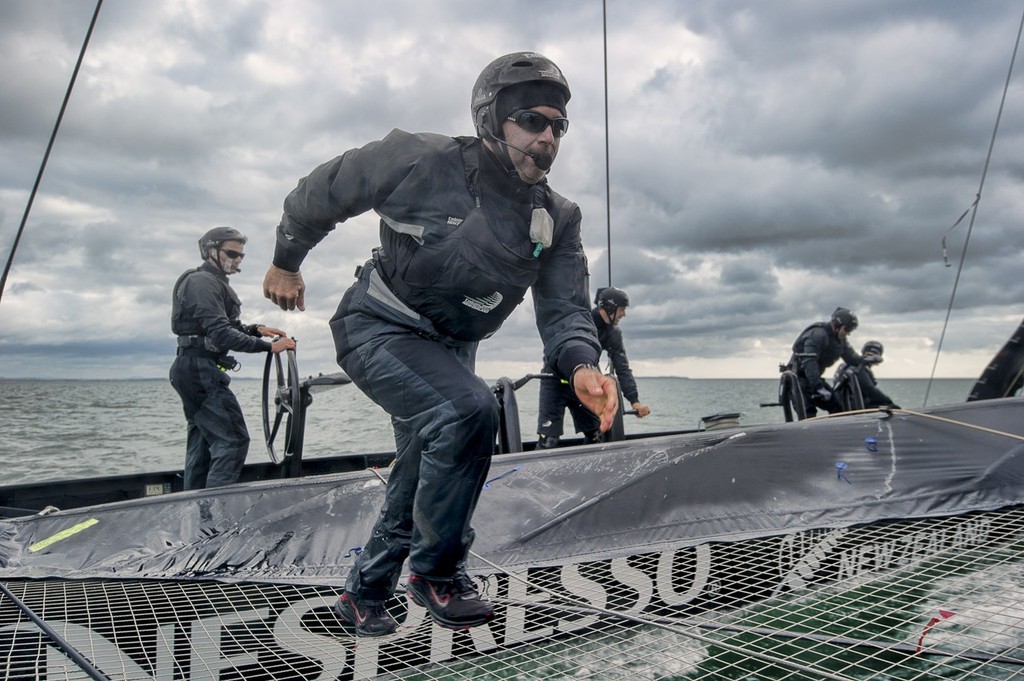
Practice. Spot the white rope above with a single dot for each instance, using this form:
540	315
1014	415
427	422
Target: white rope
890	411
972	426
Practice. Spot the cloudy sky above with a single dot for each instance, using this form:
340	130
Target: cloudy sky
769	161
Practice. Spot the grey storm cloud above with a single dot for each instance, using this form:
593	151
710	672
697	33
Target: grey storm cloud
766	162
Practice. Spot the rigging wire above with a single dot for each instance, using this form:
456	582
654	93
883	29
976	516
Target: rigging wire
607	161
49	147
974	210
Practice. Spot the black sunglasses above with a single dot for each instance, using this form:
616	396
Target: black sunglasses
233	254
534	122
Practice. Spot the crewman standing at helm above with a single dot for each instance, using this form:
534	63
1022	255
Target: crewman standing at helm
205	314
467	226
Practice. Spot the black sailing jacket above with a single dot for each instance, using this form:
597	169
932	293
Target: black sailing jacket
610	336
204	304
817	348
455	233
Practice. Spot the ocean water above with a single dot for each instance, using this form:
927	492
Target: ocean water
61	429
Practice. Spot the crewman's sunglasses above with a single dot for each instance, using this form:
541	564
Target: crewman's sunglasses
534	122
233	254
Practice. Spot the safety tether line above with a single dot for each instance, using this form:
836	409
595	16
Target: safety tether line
974	212
49	147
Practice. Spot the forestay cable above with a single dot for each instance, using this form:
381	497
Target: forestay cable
974	210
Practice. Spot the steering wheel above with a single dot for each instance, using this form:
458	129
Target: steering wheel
287	399
791	397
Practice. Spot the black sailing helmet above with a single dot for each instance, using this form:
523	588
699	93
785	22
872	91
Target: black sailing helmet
843	318
216	236
510	69
872	346
611	299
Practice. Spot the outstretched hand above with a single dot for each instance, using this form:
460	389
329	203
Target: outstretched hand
285	289
598	393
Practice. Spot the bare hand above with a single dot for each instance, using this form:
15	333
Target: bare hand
270	332
281	344
598	393
285	289
641	410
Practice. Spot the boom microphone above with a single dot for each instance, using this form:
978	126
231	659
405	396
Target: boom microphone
543	161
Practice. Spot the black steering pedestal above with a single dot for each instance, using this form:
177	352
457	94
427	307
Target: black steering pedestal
289	406
290	398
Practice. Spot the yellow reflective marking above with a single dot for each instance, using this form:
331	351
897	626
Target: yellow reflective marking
63	534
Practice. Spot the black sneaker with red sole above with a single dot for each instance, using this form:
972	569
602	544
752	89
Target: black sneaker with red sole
370	618
452	603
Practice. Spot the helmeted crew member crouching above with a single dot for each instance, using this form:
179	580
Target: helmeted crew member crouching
817	348
871	354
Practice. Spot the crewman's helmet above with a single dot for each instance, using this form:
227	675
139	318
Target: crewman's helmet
215	237
505	71
872	347
844	319
611	299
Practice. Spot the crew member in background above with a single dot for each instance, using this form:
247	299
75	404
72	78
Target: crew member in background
817	348
555	394
467	225
205	318
871	354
